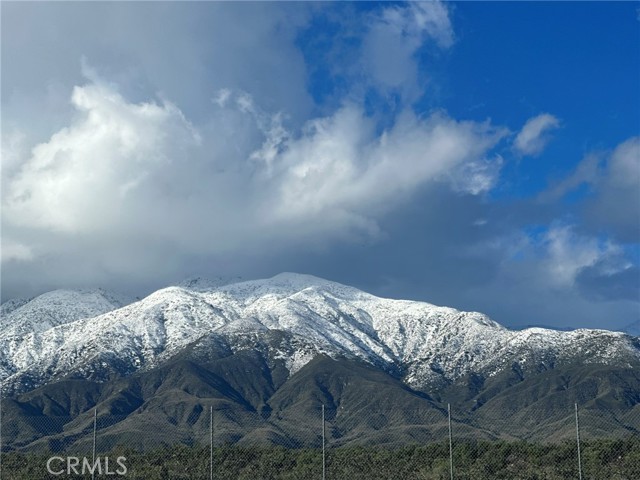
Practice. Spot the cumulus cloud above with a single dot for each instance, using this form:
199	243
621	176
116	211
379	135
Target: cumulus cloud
616	202
185	52
143	174
12	151
613	179
341	163
477	177
555	274
432	18
568	253
83	178
554	257
395	35
534	136
11	251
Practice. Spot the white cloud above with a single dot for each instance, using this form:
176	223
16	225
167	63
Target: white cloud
124	175
12	151
616	203
185	51
613	179
623	168
554	258
394	37
555	274
12	251
222	97
533	137
478	176
341	164
567	253
82	178
432	18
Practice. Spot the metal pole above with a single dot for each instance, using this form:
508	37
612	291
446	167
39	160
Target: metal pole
93	458
578	441
0	430
323	451
450	442
211	442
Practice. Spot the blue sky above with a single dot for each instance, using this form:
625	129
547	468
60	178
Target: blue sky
482	155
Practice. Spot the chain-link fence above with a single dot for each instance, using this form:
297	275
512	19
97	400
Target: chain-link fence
217	442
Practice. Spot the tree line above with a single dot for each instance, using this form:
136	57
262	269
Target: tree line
472	460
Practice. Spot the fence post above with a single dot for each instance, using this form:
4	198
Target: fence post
323	451
578	442
450	442
93	455
211	442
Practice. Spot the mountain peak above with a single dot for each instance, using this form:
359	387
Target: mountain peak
287	284
283	283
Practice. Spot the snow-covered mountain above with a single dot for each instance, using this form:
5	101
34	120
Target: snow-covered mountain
424	343
24	320
24	316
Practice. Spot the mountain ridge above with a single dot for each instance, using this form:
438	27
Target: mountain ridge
429	344
266	355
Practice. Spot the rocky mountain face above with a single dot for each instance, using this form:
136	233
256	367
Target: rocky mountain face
279	348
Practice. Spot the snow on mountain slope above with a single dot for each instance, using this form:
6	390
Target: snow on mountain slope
426	342
10	305
55	308
25	319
